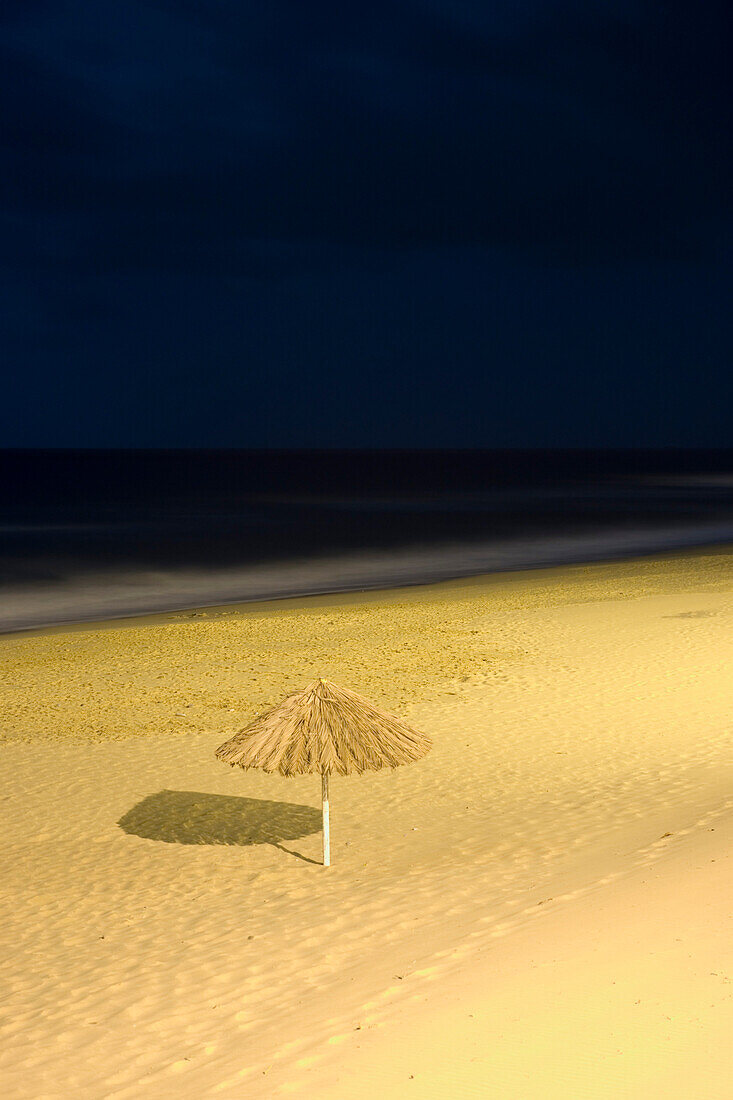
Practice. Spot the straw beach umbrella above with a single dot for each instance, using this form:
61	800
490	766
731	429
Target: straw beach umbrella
324	729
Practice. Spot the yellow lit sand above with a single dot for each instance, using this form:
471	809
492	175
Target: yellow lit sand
543	907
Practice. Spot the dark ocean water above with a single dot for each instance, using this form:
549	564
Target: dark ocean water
97	534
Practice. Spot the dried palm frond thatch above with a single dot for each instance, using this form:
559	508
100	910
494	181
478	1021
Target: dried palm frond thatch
327	729
324	728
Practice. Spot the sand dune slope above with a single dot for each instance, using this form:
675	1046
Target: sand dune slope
623	990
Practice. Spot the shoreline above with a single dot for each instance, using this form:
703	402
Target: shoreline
379	572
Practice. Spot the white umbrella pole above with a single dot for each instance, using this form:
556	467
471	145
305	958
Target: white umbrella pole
326	829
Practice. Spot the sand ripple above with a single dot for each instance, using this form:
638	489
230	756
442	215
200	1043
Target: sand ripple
197	948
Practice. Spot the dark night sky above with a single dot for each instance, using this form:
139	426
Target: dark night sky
440	223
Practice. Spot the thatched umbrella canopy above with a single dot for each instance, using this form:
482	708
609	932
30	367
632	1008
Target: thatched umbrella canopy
326	729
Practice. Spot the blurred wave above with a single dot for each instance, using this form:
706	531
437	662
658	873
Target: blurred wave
102	534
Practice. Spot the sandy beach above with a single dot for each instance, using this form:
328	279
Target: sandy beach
542	907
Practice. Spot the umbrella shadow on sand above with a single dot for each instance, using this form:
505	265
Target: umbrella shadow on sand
195	817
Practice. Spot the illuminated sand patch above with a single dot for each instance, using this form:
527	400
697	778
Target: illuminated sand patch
581	733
